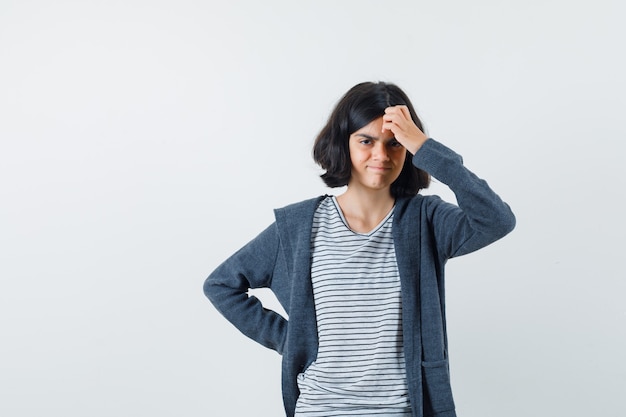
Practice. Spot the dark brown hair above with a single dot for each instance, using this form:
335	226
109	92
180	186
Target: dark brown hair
362	104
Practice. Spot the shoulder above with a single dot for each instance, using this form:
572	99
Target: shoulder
416	202
308	204
293	222
301	207
409	209
297	212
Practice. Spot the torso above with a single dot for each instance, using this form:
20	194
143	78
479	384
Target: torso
360	363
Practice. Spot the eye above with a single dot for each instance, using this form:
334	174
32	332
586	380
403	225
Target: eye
395	144
365	141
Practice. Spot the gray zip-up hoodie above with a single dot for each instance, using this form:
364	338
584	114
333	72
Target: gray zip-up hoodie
426	231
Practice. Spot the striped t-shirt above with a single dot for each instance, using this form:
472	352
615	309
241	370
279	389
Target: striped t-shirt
360	367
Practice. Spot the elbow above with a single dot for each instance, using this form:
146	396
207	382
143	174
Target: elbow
209	287
499	224
506	222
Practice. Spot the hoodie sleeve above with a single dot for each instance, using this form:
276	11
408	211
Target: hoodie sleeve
481	216
227	288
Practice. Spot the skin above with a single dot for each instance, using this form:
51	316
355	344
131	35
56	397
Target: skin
397	119
377	153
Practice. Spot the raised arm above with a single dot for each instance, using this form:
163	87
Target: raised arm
481	216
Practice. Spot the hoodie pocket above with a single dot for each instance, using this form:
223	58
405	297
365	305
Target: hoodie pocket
436	387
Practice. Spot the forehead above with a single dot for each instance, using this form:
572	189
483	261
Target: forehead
373	130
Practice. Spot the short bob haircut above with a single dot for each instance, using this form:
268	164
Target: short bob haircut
362	104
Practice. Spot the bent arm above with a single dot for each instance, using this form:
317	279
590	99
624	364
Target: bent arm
227	288
481	216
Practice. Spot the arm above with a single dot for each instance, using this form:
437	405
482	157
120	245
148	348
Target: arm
481	217
227	288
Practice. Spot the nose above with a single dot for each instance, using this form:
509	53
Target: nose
380	152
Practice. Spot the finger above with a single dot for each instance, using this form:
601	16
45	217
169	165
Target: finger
392	110
389	119
397	107
406	112
386	125
393	113
389	125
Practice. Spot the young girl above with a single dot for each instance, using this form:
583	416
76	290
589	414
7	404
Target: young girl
361	274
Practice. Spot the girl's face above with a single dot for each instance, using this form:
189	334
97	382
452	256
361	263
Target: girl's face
377	157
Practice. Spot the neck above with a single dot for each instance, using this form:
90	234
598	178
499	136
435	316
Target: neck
365	209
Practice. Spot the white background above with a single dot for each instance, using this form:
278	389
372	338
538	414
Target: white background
142	142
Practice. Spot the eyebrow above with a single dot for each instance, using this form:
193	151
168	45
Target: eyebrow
370	137
366	136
